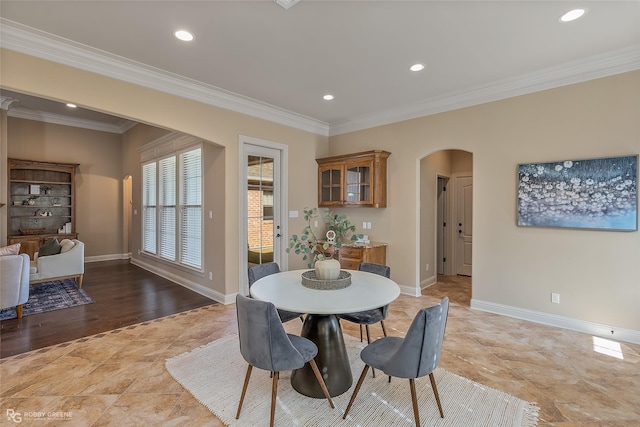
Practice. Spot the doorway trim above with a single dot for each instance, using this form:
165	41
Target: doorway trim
244	144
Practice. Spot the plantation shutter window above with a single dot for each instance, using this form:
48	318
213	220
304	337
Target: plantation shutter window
167	206
149	208
172	201
191	208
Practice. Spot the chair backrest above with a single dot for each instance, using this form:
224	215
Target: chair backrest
379	269
419	353
263	340
261	270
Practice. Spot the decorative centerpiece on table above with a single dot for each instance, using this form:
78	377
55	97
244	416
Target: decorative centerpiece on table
320	253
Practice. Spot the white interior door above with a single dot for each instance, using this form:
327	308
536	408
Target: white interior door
464	224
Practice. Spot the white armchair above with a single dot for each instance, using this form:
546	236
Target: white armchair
67	264
14	281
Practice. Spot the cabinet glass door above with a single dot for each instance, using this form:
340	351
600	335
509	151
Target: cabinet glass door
331	184
358	184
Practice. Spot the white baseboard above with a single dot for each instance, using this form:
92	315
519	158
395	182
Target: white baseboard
592	328
409	290
195	287
109	257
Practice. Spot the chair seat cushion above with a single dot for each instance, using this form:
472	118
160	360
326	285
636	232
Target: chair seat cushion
285	315
368	317
305	347
378	352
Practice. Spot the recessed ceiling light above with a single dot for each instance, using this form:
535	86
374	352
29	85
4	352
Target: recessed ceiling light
328	97
70	105
417	67
183	35
572	15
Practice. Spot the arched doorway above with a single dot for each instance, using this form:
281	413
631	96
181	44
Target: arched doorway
446	229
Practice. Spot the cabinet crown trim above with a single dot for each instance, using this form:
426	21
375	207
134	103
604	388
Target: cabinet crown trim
353	156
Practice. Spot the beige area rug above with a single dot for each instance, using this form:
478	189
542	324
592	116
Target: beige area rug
214	374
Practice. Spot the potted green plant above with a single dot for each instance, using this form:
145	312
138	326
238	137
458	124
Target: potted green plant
314	249
45	189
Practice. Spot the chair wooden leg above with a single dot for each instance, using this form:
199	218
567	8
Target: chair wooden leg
360	333
323	386
274	394
244	389
356	390
435	392
79	280
373	371
384	330
414	400
19	311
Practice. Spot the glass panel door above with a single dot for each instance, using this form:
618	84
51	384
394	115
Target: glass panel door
261	229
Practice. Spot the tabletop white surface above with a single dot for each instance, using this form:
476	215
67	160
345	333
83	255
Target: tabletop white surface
285	291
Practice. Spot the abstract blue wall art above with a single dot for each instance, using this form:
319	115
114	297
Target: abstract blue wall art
599	194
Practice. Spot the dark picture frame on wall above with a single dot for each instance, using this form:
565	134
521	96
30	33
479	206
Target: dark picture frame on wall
595	194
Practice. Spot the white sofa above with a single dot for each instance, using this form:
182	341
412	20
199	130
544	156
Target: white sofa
14	281
66	265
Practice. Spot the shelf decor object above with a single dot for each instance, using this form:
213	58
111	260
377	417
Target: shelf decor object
596	194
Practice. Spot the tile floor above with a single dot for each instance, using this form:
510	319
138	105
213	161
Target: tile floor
118	378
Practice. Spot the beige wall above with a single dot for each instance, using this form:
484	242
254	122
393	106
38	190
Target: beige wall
597	273
98	178
223	128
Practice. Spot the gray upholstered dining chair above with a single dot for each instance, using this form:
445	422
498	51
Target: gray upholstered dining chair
370	317
265	345
261	270
414	356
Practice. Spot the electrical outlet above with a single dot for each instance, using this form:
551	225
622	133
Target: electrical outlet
426	268
369	225
555	298
364	225
210	275
210	214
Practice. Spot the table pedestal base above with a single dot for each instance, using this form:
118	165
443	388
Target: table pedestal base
332	358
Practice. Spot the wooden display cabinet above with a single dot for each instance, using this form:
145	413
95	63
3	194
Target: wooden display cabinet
42	200
357	180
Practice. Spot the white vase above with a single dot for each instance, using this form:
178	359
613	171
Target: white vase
327	269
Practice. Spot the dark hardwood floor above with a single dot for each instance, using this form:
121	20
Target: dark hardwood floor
124	295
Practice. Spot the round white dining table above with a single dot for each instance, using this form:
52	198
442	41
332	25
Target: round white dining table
285	290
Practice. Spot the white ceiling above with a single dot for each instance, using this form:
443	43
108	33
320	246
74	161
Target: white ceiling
256	57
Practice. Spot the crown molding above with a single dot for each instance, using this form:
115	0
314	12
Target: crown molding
59	119
5	102
30	41
594	67
33	42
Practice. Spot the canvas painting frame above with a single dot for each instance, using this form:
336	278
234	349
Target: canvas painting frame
595	194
